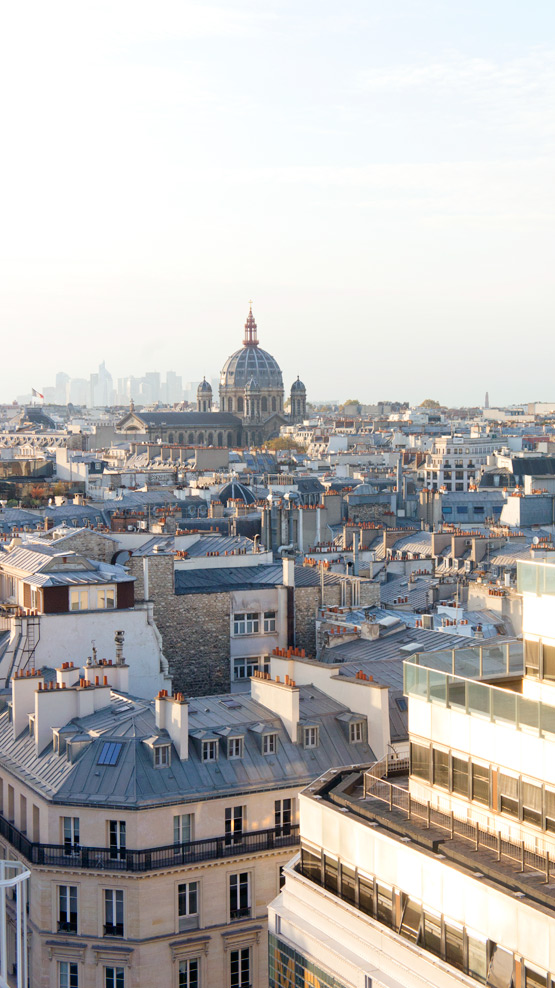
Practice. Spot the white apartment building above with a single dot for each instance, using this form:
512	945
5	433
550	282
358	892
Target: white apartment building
444	877
455	462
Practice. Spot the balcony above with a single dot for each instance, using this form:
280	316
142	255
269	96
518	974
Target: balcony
465	694
536	578
149	859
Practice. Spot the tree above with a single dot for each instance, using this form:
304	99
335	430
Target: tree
284	442
429	403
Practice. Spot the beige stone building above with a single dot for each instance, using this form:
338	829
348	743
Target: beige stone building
155	832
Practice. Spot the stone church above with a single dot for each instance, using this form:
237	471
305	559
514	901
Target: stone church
251	404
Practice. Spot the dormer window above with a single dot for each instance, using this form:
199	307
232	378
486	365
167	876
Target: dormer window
162	755
235	748
269	744
356	732
311	737
209	751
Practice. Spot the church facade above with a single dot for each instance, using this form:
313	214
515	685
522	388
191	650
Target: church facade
251	404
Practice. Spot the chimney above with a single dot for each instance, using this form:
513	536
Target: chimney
67	674
355	554
288	571
23	698
282	699
172	715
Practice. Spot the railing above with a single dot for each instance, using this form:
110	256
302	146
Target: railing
535	577
150	859
475	661
479	699
480	836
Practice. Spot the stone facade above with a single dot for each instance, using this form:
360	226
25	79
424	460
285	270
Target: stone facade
90	544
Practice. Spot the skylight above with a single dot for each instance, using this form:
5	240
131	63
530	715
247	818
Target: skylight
109	754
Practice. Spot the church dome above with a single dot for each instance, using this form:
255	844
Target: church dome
204	387
237	491
252	385
251	362
298	386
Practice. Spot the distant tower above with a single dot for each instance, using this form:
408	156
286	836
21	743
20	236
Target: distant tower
204	397
298	401
486	403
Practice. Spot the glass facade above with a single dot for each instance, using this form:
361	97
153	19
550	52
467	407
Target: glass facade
287	968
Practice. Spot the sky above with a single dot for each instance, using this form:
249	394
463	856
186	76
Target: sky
377	175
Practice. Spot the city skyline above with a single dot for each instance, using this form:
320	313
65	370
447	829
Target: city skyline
379	180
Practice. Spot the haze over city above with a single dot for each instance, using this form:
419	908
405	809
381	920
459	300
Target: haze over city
378	178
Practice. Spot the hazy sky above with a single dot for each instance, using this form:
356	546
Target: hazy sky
377	175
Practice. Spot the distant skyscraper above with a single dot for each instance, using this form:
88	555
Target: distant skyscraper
486	403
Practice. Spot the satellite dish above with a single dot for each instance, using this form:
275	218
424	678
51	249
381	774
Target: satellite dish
535	540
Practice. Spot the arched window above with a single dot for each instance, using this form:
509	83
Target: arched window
239	404
210	439
229	439
181	439
264	404
274	404
200	438
170	437
229	404
220	439
191	438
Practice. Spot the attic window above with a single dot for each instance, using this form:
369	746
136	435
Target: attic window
235	748
162	756
311	737
356	732
269	744
401	702
209	751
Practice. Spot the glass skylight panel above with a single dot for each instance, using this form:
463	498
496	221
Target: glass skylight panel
109	753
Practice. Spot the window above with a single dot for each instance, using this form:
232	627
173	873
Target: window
269	744
113	912
70	826
384	904
282	817
106	598
240	968
244	668
432	933
78	600
549	796
35	599
117	838
331	874
269	621
183	828
411	919
239	895
477	957
420	761
356	733
441	768
531	803
508	794
161	755
534	979
114	977
480	783
235	748
310	737
187	906
348	884
209	751
548	661
532	657
67	909
246	623
311	864
454	946
189	973
234	823
460	776
68	974
366	895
